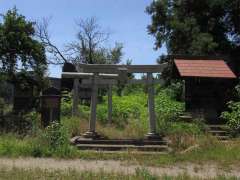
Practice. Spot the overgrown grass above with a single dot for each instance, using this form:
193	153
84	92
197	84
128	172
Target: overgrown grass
50	142
140	174
209	150
13	146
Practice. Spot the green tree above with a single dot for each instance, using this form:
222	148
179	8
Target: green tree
19	51
194	27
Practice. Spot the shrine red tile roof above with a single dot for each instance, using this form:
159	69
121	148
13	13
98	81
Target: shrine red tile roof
203	68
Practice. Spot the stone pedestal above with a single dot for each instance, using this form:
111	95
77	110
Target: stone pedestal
91	135
153	136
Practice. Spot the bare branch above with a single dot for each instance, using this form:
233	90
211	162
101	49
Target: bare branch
42	34
90	37
87	49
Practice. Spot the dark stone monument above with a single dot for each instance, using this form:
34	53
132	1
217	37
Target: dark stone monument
50	106
24	94
23	99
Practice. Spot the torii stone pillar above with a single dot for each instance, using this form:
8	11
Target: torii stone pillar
109	103
95	81
75	97
91	133
151	108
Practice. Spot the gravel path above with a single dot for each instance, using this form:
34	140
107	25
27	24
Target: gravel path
203	171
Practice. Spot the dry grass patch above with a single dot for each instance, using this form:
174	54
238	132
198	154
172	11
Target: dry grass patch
77	126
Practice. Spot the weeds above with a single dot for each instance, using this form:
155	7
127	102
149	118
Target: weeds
53	141
140	174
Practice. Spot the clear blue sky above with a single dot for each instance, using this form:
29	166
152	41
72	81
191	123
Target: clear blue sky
126	20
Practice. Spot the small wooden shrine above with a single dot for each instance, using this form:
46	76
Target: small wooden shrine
50	106
208	86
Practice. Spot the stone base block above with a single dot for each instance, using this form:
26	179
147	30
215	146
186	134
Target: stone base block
153	136
91	135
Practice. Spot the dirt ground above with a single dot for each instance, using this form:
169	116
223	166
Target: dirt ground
195	170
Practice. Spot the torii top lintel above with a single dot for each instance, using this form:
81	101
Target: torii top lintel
110	68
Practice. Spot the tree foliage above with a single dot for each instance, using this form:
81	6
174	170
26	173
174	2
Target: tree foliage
21	55
19	51
196	27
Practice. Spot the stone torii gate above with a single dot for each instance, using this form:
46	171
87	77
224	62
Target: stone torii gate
94	75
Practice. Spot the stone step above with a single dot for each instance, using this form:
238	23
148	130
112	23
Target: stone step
185	118
104	147
132	152
217	127
118	141
218	132
222	138
221	132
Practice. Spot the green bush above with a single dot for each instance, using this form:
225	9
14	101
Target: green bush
55	135
175	90
130	89
167	110
232	116
124	109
